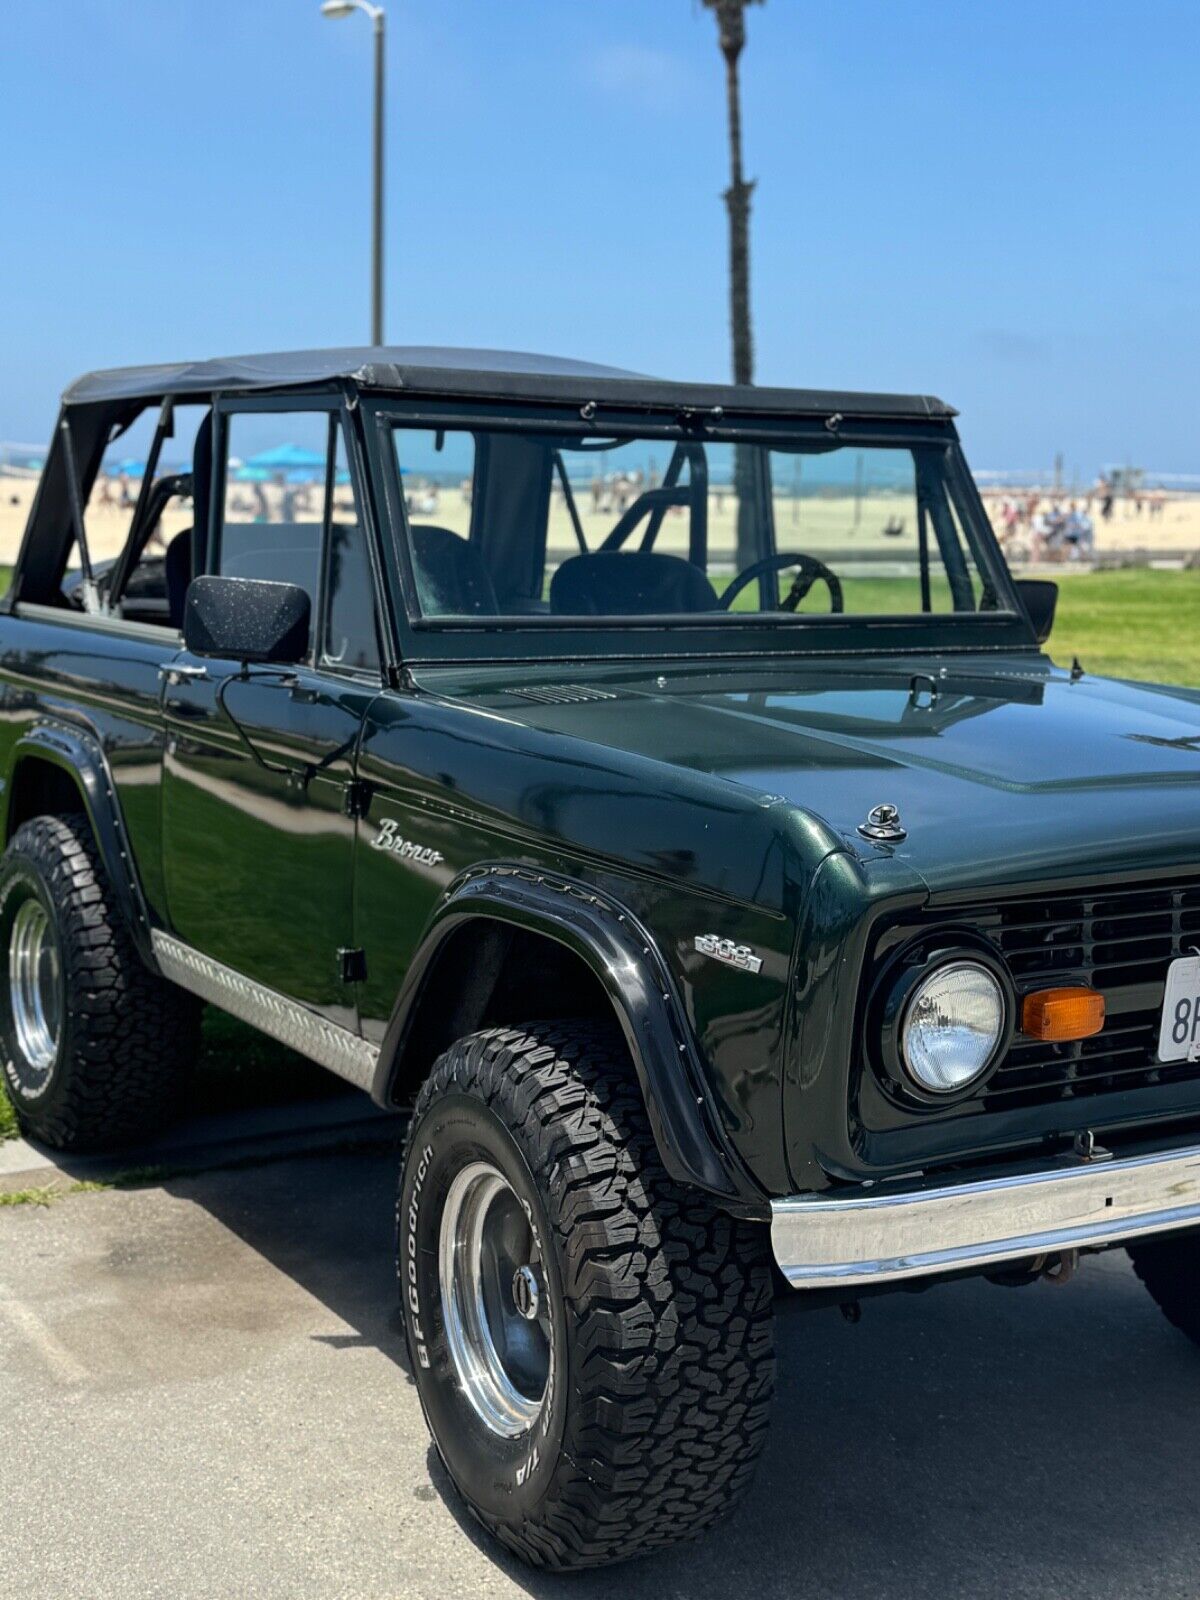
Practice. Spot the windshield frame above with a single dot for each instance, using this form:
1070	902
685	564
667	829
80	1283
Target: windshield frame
425	639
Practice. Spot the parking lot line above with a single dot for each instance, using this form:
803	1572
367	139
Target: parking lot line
48	1345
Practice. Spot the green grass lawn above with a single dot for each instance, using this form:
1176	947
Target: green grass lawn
8	1123
1136	624
1133	624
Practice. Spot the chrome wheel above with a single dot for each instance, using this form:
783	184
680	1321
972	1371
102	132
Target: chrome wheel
495	1300
35	992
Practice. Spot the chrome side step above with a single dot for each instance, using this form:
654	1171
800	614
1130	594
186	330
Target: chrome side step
314	1036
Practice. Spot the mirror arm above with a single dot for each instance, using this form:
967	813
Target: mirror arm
244	675
301	776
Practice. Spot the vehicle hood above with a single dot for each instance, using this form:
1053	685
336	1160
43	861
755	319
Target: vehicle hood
1004	770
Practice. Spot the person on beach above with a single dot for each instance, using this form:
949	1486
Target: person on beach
1010	517
1078	533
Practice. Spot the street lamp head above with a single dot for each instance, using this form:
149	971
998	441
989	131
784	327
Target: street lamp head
345	8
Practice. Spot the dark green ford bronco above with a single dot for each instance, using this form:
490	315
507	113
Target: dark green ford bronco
659	787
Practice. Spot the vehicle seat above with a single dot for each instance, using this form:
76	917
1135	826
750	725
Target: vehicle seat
451	577
278	552
637	583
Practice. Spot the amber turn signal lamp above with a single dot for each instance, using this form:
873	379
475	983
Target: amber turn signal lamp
1060	1014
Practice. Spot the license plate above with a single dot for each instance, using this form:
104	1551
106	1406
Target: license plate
1179	1036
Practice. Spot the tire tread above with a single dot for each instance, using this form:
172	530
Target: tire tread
132	1036
673	1359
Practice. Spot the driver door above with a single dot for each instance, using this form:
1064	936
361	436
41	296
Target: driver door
258	831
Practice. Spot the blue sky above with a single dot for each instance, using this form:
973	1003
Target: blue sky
990	201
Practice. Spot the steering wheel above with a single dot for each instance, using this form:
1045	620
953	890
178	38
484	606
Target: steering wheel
811	571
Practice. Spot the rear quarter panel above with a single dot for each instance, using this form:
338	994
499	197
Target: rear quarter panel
100	679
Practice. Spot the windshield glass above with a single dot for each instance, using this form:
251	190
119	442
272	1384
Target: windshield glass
511	524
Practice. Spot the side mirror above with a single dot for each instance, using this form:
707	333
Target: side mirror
247	619
1040	598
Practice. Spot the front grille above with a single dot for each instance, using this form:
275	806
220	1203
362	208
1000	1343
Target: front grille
1120	941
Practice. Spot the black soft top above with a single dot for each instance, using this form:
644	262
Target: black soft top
492	374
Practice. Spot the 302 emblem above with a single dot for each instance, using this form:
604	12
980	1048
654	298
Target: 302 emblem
733	955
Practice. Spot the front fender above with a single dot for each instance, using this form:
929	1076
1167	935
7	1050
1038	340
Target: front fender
622	955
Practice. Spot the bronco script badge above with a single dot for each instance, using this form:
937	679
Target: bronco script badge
733	955
389	839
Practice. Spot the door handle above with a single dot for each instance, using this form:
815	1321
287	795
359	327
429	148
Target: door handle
174	673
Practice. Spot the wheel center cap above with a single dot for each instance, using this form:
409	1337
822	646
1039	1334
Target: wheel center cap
525	1292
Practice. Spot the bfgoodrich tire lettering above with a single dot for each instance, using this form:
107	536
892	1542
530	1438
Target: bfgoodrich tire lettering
661	1367
122	1039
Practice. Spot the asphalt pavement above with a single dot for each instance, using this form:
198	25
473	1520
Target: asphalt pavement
203	1392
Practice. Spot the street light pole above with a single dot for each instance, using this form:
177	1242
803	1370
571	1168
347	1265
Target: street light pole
377	207
344	8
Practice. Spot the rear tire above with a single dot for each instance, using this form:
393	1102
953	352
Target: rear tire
95	1047
1170	1269
628	1409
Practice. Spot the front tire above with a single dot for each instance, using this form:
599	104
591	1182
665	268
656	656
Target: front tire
1170	1269
591	1342
95	1047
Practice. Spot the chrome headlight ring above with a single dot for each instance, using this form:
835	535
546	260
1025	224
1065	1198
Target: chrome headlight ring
961	986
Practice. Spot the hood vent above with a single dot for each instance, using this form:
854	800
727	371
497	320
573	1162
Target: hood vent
563	694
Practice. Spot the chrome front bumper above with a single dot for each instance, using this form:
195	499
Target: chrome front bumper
887	1234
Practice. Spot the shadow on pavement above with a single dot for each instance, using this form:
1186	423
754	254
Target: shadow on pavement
326	1222
249	1100
971	1441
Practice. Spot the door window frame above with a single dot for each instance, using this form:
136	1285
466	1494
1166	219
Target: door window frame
336	405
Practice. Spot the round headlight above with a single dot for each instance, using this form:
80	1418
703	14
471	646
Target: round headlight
953	1022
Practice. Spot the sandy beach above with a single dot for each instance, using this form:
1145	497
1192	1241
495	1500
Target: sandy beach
816	523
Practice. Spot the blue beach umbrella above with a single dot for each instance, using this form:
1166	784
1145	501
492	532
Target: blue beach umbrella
285	457
306	475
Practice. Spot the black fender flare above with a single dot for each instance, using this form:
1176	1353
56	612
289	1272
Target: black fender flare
82	758
623	957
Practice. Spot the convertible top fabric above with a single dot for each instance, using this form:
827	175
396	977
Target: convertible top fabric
491	374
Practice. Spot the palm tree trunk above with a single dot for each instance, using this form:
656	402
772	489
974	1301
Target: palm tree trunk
737	202
731	24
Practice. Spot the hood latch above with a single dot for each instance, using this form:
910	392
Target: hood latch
883	825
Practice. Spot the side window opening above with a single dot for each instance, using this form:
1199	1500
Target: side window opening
438	479
140	503
290	515
273	514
